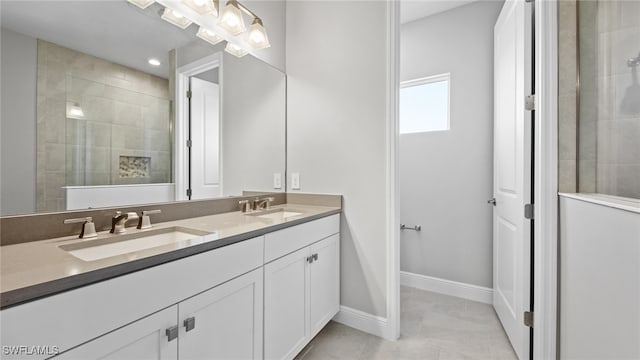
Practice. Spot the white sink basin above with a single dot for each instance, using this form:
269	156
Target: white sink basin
92	250
275	214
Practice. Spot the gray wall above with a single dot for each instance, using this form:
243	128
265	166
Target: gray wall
446	177
18	123
336	104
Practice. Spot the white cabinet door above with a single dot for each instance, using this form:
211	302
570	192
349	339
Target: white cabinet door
302	293
224	322
324	281
285	306
143	339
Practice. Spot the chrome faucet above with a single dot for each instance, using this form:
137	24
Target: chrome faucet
88	227
265	203
119	221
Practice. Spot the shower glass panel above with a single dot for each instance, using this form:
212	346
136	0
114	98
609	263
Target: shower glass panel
115	136
609	97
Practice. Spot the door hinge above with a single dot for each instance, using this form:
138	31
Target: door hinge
189	93
189	143
530	102
528	318
528	211
189	192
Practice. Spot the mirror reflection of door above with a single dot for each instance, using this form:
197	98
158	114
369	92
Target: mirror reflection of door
204	133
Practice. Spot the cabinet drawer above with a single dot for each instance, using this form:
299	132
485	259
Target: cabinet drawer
73	317
285	241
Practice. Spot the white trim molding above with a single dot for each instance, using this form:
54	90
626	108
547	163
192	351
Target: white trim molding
392	322
447	287
363	321
546	182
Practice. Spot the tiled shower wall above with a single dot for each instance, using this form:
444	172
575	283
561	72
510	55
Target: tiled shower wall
599	121
567	97
126	114
617	126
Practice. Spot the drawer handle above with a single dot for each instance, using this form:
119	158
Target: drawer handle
172	333
190	323
312	258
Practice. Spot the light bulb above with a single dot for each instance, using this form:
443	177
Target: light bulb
257	35
235	50
231	18
177	15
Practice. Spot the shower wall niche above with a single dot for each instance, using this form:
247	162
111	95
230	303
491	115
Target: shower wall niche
608	126
91	114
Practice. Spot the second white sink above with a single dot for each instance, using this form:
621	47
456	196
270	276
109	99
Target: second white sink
275	214
92	250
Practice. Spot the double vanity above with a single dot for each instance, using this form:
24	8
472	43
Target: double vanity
231	285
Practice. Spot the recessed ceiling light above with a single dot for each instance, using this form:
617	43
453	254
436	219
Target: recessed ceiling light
154	62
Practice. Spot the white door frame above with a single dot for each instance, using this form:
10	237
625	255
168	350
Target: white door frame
393	189
181	116
545	181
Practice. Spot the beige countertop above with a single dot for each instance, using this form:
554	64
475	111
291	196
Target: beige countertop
41	268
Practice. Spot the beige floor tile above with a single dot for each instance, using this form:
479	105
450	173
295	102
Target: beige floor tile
433	326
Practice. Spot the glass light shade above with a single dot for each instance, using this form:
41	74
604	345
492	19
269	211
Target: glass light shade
256	36
175	18
74	111
202	7
142	4
235	50
231	18
208	36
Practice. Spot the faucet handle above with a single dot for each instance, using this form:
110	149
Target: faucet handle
268	201
88	227
244	205
144	221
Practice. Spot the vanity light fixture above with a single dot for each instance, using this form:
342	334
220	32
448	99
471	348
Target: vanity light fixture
235	50
142	4
203	7
154	62
229	26
231	18
208	36
175	18
256	36
74	111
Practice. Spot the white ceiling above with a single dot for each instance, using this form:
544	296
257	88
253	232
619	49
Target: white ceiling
113	30
118	31
411	10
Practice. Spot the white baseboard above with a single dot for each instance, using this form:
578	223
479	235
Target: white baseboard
447	287
363	321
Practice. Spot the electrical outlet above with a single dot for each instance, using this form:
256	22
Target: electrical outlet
295	181
277	181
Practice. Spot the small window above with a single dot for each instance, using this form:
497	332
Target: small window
424	104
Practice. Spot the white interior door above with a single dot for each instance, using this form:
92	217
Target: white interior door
512	181
205	139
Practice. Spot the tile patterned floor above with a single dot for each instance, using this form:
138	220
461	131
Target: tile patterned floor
433	326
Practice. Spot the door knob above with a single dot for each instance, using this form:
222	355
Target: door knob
492	201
